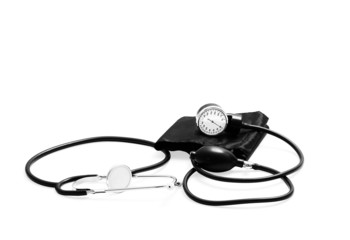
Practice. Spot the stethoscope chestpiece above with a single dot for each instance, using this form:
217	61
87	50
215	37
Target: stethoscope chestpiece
117	180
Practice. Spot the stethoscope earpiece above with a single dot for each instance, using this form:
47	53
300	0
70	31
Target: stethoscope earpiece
215	159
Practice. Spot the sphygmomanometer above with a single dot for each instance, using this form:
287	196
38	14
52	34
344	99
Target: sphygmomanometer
215	141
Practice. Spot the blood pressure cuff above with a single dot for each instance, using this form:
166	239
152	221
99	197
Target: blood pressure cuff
184	135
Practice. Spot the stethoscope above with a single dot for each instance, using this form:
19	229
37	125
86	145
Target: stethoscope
212	121
118	178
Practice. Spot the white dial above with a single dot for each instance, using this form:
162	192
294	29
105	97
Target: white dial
211	119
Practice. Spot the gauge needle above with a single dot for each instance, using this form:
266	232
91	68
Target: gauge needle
214	123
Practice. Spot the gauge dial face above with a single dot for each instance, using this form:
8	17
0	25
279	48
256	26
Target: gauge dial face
212	121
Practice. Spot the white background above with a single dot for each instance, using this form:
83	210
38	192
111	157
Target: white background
76	69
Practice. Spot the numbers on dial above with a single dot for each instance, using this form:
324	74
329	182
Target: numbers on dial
212	121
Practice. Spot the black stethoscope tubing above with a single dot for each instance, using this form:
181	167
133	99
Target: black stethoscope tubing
86	141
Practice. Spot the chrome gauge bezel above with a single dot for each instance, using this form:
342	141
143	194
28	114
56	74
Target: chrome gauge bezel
203	110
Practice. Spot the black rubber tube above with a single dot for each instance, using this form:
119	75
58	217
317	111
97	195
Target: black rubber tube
91	140
239	201
77	192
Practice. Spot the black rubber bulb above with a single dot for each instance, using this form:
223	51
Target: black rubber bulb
214	159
